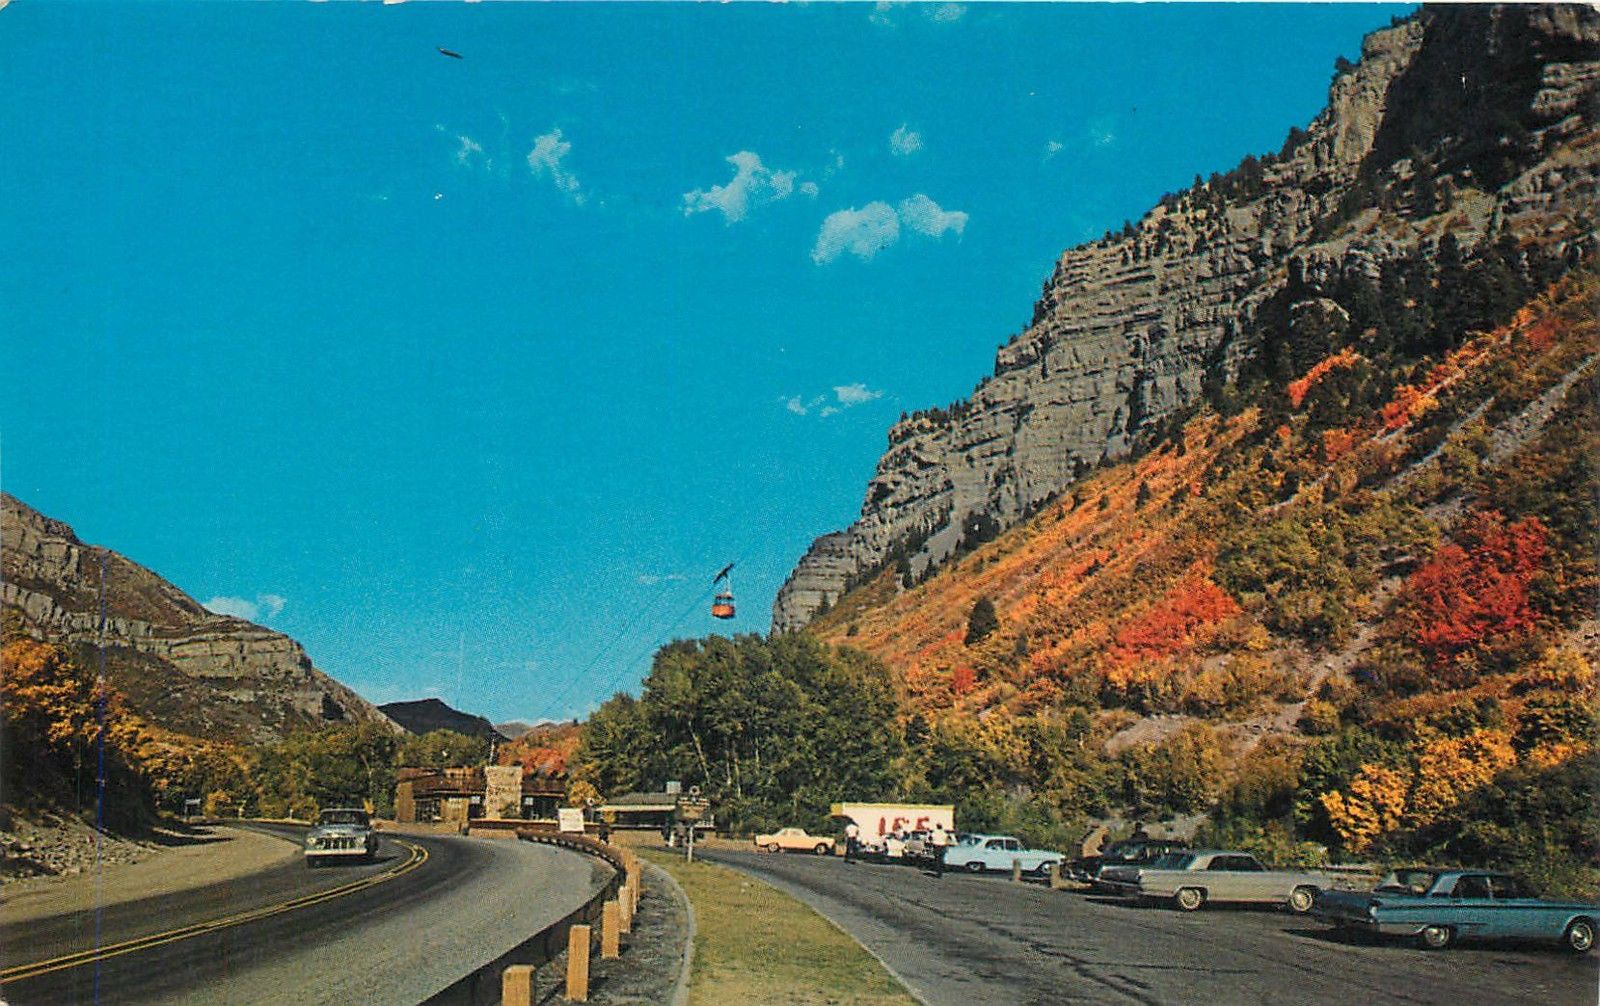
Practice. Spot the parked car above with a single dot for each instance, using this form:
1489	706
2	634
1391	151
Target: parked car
795	840
341	833
1438	907
1192	879
1128	852
999	852
916	845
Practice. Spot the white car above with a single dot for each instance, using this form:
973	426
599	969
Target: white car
341	833
978	853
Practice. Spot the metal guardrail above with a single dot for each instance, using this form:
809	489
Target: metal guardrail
482	987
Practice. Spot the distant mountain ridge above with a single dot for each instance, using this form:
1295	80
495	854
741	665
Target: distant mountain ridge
1471	120
182	667
424	715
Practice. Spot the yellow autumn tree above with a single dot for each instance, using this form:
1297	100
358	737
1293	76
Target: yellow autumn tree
1450	768
1374	804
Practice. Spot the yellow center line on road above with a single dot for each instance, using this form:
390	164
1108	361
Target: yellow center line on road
419	855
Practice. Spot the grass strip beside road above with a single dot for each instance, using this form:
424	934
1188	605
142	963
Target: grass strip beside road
754	944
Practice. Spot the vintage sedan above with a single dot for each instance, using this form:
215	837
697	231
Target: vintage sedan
341	833
1128	852
1438	907
999	852
1191	879
795	840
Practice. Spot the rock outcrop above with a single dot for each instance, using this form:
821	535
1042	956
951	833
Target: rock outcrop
1496	104
178	664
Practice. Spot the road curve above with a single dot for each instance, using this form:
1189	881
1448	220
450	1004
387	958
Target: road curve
967	940
429	910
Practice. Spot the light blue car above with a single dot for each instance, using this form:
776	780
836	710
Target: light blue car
978	853
1438	907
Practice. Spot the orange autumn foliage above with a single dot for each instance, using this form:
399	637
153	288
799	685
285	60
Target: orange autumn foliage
1299	389
1337	443
1171	624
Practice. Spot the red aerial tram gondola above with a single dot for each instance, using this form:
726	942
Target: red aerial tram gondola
722	604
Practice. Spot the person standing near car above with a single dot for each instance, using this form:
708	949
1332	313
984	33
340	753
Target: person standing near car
852	842
938	842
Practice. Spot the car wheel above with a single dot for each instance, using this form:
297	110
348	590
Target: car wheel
1301	899
1189	898
822	849
1042	871
1579	937
1436	937
774	847
974	866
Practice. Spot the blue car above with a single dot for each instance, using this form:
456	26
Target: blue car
1438	907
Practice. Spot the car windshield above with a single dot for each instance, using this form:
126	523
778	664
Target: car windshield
1409	881
343	817
1173	861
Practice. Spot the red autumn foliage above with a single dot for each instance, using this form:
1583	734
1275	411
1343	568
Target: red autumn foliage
1169	626
1475	589
962	679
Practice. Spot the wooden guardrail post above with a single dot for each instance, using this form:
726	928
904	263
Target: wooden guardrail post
578	964
517	985
624	910
610	925
1016	871
1056	883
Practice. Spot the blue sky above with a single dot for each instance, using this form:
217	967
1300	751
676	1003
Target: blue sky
469	374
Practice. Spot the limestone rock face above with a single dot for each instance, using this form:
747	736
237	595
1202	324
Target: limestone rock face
180	665
1127	329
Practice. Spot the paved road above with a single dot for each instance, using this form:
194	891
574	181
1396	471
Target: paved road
397	930
966	941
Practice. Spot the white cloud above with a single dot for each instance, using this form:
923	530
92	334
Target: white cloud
880	13
545	160
905	141
264	608
651	579
863	233
925	216
753	184
854	394
469	152
1053	148
844	396
946	12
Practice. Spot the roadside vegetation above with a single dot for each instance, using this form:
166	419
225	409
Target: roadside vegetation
63	730
754	944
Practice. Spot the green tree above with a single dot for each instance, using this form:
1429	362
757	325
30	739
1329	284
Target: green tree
443	749
981	621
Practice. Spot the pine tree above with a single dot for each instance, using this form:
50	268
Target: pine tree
982	621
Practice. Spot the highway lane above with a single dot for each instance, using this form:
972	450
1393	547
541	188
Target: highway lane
967	940
429	910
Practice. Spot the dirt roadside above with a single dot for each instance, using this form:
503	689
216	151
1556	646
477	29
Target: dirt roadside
207	855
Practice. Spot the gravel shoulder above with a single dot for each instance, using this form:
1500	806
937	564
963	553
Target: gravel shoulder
203	855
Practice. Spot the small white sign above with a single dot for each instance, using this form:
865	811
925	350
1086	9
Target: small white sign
571	819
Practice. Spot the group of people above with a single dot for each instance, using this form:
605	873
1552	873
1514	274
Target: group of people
937	842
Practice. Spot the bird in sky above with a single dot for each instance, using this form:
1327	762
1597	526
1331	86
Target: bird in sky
447	52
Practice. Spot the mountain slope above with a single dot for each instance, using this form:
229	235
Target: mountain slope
1473	121
178	665
425	715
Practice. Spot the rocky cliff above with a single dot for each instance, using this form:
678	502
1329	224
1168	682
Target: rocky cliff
180	665
1472	121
